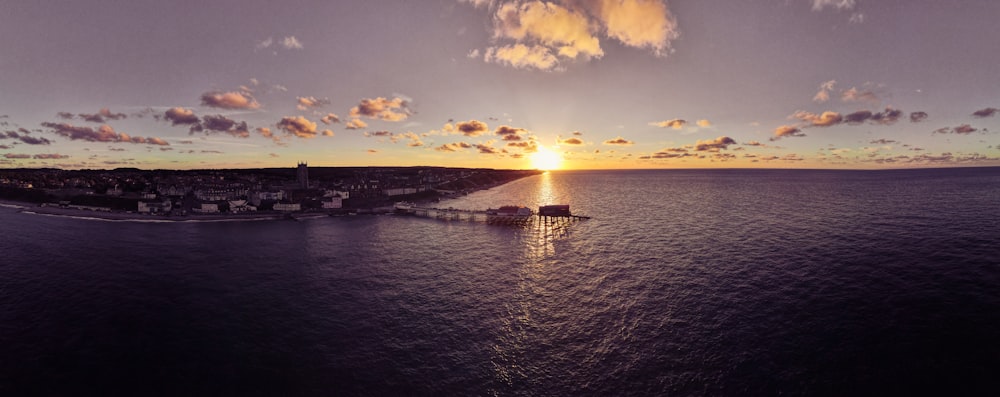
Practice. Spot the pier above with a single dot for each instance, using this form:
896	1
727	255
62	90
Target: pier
548	215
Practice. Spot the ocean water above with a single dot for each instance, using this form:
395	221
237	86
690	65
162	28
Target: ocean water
694	282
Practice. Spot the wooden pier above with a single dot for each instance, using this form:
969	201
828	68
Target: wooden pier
544	216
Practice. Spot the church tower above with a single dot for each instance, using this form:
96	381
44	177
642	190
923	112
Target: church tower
302	173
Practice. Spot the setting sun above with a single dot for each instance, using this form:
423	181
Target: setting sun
545	159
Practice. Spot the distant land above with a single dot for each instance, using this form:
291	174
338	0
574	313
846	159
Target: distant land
126	193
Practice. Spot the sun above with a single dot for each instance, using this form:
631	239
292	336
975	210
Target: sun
545	159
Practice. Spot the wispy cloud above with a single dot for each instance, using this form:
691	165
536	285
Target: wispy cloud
102	134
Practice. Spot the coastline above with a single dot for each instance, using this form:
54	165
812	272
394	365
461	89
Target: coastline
49	209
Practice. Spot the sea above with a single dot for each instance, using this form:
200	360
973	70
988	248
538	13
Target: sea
681	283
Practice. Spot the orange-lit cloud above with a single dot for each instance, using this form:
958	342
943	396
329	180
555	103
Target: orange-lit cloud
180	116
298	126
618	141
472	128
825	119
639	23
394	109
786	131
453	147
824	91
229	100
522	56
704	123
674	123
306	103
541	35
571	141
330	118
566	32
356	124
509	133
714	145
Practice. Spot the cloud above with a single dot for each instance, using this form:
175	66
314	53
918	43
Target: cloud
486	149
541	35
786	131
229	100
273	155
640	23
356	124
550	29
34	141
963	129
288	43
916	117
328	133
571	141
220	123
824	91
668	153
882	141
674	123
394	109
522	56
16	156
887	117
180	116
330	118
291	43
50	156
704	123
264	44
825	119
527	146
378	133
472	128
714	145
577	133
65	115
99	117
987	112
509	133
854	94
754	143
25	137
819	5
453	147
414	139
103	134
298	126
618	141
858	117
306	103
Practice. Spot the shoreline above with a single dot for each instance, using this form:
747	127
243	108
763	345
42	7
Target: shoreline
50	209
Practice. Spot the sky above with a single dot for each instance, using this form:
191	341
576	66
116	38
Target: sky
602	84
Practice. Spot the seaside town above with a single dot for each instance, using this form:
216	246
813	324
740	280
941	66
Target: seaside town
268	192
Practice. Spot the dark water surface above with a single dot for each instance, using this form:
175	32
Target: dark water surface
729	282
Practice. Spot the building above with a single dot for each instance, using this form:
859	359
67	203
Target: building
146	206
302	173
287	207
